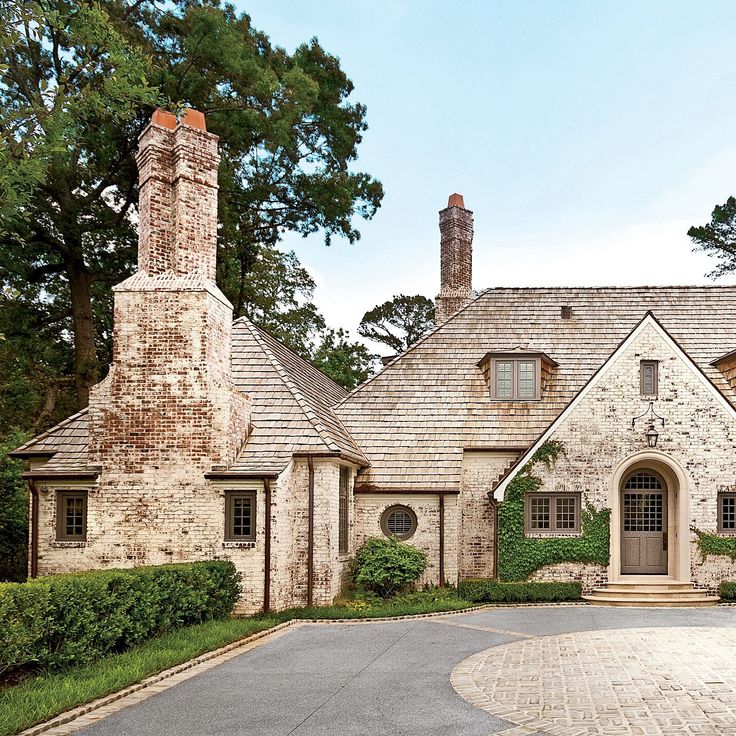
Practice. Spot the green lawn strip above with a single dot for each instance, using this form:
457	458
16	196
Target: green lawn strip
40	698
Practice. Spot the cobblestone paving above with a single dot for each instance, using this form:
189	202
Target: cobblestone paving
649	682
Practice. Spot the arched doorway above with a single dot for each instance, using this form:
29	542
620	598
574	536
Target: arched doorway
644	539
662	474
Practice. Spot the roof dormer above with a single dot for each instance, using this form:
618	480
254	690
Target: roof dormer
516	374
726	364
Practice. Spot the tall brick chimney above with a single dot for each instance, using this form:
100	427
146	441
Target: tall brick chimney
177	172
456	258
169	400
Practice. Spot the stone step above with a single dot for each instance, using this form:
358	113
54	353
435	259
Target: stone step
649	590
656	585
664	601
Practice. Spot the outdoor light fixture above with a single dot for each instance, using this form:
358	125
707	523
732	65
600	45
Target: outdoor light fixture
651	434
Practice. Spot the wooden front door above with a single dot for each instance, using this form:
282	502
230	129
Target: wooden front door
644	524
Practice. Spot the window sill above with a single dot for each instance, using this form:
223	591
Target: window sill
726	533
515	401
68	544
238	545
551	535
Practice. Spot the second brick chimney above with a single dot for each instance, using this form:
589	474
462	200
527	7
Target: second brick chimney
456	258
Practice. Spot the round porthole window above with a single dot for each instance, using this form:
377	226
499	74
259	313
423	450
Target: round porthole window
399	522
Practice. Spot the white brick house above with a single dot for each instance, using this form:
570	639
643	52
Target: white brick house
209	438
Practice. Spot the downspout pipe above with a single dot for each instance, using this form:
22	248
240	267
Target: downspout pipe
34	527
310	534
442	540
267	549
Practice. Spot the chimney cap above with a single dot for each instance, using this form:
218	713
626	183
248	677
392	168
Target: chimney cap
194	119
164	118
456	200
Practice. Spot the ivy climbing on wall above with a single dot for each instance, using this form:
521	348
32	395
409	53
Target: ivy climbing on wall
712	544
518	555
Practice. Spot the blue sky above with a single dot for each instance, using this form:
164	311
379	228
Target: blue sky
585	136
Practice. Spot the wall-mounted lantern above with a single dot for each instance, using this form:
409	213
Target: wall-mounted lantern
651	434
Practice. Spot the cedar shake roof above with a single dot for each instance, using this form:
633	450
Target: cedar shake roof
291	413
66	444
292	404
413	419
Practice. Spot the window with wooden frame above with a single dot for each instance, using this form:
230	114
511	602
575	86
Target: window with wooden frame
515	379
649	378
552	513
71	516
727	513
342	522
240	516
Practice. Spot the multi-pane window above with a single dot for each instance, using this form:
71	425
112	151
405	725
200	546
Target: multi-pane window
240	516
71	516
515	379
649	377
552	513
504	379
343	509
643	502
727	513
399	521
539	512
527	381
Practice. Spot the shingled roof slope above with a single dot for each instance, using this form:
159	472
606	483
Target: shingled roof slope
292	403
292	412
66	444
414	418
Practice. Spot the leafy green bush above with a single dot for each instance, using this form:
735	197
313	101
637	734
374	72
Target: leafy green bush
60	620
727	591
492	591
386	565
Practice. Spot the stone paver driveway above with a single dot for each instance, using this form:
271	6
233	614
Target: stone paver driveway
556	670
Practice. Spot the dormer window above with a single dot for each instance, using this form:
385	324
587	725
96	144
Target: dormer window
516	375
516	379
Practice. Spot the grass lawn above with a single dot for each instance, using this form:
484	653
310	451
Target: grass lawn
40	698
37	699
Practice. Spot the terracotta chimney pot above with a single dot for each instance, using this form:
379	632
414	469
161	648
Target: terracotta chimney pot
194	119
456	200
164	118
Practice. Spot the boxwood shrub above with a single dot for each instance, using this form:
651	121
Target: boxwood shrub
727	590
384	565
491	591
61	620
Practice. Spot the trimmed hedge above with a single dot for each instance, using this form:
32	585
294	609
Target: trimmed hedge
491	591
727	590
61	620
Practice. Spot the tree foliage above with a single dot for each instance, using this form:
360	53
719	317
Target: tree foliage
718	237
345	362
399	322
78	83
13	512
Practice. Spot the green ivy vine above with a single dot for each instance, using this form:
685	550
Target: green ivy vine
712	544
518	555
